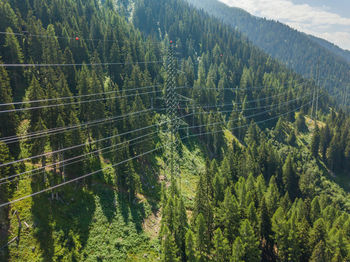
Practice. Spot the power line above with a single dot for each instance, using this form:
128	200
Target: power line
74	158
258	122
81	145
231	88
246	117
252	108
81	177
59	130
232	104
92	64
79	96
76	102
76	38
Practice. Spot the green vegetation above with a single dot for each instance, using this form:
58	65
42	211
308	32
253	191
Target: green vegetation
256	179
299	51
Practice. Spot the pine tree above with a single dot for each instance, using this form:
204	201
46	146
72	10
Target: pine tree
221	250
279	130
202	241
180	226
190	252
317	233
250	242
334	154
237	251
229	215
169	248
9	121
202	204
13	55
325	139
272	196
253	217
290	178
315	211
315	143
74	137
36	92
318	254
265	228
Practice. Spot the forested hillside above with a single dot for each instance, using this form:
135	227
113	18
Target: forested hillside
300	52
332	47
91	168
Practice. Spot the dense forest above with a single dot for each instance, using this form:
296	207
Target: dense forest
261	166
300	52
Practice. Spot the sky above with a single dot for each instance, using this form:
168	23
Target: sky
327	19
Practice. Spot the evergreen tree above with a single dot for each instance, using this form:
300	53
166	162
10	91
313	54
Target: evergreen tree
190	251
180	226
169	248
250	242
221	250
229	215
319	254
9	121
13	54
272	196
202	241
290	178
237	251
315	143
325	139
265	229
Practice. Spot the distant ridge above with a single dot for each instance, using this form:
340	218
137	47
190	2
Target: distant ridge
299	51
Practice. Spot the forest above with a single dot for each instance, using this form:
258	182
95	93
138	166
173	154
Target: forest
148	130
305	54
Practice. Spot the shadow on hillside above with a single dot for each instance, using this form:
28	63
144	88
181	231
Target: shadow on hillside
72	216
4	232
41	212
107	200
131	210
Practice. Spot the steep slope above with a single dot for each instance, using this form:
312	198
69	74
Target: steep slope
237	106
331	47
297	50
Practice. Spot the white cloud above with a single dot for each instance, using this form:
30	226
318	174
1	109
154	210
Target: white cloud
318	21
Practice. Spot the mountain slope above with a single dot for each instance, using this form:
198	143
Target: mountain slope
331	47
244	178
297	50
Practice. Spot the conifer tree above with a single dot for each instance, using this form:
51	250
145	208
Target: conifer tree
222	249
229	215
180	226
169	248
315	211
315	143
74	137
9	121
318	253
265	228
325	139
190	245
13	55
290	178
202	240
237	251
272	196
250	242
